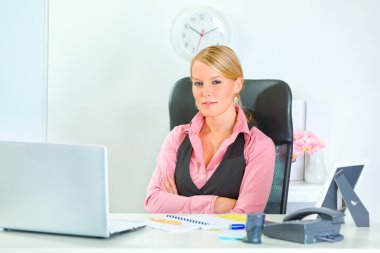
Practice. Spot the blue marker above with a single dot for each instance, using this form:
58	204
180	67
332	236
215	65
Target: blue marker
237	226
224	227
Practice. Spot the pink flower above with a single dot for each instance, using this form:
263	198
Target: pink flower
306	142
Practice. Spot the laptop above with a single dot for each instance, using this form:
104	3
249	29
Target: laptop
57	188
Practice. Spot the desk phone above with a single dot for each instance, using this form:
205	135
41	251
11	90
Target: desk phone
325	227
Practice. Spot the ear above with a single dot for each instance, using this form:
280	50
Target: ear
238	85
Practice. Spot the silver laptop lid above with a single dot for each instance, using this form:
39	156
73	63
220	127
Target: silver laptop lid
54	188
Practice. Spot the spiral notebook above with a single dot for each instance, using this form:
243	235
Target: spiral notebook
181	223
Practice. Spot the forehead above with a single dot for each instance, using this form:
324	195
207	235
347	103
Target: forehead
201	70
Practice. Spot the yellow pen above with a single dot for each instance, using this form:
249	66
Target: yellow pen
172	222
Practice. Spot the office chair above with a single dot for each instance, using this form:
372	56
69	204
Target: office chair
270	102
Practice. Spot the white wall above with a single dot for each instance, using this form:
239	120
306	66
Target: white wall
22	70
111	67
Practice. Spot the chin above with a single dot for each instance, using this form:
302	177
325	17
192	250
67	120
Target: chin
209	113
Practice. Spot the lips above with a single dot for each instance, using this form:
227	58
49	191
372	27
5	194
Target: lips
208	103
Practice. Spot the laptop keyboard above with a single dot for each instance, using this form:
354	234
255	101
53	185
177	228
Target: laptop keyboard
120	226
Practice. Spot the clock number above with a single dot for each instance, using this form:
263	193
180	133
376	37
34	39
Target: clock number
193	19
201	16
186	26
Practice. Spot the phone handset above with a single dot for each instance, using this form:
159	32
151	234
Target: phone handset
325	214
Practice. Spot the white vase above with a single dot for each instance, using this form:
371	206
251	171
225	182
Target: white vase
315	171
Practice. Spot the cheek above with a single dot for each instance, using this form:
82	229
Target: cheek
228	94
196	95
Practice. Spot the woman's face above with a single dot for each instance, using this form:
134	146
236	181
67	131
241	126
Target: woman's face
213	93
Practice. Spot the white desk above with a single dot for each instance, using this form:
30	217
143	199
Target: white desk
151	240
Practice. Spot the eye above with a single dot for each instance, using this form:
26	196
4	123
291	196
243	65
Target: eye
197	83
216	82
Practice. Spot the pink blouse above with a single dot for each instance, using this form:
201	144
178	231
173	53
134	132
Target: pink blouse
254	192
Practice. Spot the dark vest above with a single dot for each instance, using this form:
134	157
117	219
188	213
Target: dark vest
224	182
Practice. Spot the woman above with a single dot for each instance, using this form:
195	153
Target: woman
215	164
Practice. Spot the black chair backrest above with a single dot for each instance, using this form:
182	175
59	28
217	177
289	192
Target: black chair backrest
270	102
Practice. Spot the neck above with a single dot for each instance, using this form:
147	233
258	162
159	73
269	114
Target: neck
222	124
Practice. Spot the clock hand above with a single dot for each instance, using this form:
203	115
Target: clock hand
200	38
210	30
194	29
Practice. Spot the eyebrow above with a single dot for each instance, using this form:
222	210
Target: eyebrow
213	77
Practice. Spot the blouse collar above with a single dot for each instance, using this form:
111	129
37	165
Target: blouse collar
241	125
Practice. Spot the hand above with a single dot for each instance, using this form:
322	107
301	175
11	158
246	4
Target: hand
200	38
223	205
168	184
192	28
211	30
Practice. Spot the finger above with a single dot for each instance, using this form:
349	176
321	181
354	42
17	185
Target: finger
162	184
166	184
173	185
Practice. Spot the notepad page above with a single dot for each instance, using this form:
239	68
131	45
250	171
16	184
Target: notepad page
184	226
210	220
188	222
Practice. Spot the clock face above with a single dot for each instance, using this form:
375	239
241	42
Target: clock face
197	28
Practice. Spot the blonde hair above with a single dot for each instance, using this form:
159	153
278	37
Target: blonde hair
224	61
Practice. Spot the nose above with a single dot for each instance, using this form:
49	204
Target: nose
206	89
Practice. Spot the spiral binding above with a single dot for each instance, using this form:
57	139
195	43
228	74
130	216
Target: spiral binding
187	219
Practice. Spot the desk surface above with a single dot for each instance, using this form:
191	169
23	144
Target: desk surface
148	240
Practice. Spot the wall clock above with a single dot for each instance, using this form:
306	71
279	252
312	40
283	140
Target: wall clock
198	27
